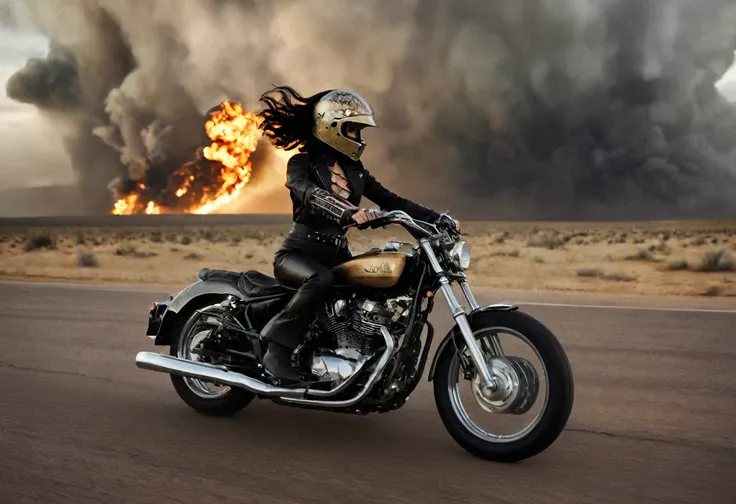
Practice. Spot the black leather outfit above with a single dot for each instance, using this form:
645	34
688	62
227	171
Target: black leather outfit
317	242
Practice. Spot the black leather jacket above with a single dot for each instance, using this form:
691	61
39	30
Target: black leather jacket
315	205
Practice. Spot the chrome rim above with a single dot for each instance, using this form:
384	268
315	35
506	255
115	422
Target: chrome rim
189	341
508	380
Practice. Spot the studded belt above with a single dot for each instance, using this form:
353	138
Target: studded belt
306	232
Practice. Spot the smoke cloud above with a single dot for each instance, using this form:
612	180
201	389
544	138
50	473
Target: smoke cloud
504	109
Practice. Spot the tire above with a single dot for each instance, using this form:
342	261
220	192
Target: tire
560	391
227	404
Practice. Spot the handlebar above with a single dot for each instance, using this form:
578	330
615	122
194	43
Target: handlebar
397	217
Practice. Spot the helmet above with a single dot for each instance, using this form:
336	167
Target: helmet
338	118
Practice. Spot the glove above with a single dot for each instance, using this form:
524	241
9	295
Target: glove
445	222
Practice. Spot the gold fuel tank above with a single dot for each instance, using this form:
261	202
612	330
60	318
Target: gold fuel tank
378	270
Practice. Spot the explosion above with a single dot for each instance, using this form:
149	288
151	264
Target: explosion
204	185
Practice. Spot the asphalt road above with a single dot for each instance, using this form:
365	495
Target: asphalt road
653	419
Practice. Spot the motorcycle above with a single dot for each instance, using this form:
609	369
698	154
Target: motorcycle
366	349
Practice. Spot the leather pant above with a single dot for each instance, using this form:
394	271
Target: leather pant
306	266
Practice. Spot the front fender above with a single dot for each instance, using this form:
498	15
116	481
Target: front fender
455	331
179	306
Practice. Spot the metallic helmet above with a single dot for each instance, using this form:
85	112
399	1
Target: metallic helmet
335	113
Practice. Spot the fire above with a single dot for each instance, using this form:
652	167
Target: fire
128	204
199	189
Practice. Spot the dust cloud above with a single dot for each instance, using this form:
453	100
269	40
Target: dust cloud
554	109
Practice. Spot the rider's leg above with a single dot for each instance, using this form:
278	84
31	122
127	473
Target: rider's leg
285	332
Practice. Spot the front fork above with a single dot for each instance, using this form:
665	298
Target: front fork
461	319
495	341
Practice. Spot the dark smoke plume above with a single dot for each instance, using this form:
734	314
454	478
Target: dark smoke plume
503	109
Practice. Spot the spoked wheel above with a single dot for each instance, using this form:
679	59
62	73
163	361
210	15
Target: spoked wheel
205	397
530	401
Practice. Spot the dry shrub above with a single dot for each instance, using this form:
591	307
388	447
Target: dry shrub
40	241
144	255
129	250
209	236
713	290
87	259
596	273
717	261
501	239
661	247
641	255
678	265
545	240
589	273
126	249
618	277
502	253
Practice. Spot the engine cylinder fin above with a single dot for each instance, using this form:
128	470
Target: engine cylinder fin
356	324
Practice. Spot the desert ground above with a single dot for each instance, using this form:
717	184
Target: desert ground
660	258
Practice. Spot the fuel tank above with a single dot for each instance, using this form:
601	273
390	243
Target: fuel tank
378	270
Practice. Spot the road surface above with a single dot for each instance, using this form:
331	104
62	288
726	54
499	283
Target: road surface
653	419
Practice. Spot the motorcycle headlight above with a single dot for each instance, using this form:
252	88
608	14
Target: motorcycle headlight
460	255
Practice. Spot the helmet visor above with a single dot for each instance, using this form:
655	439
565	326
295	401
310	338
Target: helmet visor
352	131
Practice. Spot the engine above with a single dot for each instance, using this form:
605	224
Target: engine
356	323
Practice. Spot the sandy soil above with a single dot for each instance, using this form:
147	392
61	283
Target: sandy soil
661	259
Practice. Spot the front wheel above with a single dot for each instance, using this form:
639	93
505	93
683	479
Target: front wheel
201	395
519	387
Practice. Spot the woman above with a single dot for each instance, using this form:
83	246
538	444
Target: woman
326	181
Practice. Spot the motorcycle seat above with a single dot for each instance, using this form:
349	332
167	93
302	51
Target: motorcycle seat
252	283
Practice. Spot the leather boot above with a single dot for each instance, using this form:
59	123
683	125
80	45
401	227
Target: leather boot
277	361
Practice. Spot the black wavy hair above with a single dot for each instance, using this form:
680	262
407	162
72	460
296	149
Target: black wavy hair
288	122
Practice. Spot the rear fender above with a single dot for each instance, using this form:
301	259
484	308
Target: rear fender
183	305
155	316
455	331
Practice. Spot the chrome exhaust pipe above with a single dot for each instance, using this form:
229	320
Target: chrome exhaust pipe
181	367
370	383
153	361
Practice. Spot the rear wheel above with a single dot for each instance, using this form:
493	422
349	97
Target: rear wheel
520	386
205	397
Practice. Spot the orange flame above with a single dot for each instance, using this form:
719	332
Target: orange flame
234	136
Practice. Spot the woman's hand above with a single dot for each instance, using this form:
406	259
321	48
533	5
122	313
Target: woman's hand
365	215
447	222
